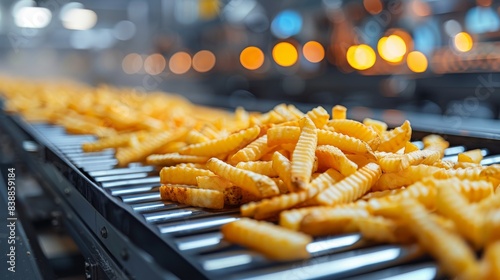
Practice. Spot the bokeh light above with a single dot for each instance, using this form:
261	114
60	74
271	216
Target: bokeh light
392	48
180	63
252	58
203	61
373	6
285	54
286	23
417	62
132	63
313	51
361	57
463	42
155	64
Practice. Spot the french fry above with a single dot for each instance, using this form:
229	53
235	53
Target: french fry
182	175
384	230
237	196
213	182
319	116
282	110
352	187
261	167
303	155
193	196
270	207
173	159
428	157
296	112
278	135
357	130
108	142
390	162
436	143
490	262
410	147
195	137
254	151
255	183
332	157
275	242
410	175
283	167
378	126
449	249
344	142
339	112
327	221
472	156
222	145
395	139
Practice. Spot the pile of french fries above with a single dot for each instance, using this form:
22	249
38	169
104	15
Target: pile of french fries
294	175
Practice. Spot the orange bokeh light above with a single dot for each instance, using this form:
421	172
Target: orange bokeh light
285	54
373	6
155	64
203	61
417	62
361	57
313	51
463	42
252	58
180	63
392	48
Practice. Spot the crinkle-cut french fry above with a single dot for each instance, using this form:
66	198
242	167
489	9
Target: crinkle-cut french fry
213	182
303	156
491	228
108	142
292	218
222	145
410	175
471	173
139	152
172	147
283	167
261	167
436	143
351	187
344	142
255	183
381	194
444	222
270	207
273	241
384	230
357	130
296	112
339	112
390	162
379	127
79	126
332	157
281	185
282	110
472	156
468	220
237	196
458	165
195	137
395	139
473	190
491	171
173	159
242	118
444	164
410	147
192	196
492	202
428	157
333	220
271	117
254	151
448	248
282	135
319	116
209	131
182	175
490	261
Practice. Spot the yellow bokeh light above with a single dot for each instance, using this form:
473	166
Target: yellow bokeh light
252	58
392	48
417	62
313	51
180	63
361	57
203	61
463	42
285	54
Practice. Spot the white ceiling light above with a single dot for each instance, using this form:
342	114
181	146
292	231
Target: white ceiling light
32	17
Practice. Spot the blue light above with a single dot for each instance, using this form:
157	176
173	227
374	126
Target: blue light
286	23
481	20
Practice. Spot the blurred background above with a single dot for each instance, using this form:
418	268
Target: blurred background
439	57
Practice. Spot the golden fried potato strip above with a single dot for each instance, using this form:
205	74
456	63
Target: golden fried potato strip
173	159
273	241
332	157
254	151
255	183
303	156
182	175
192	196
357	130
